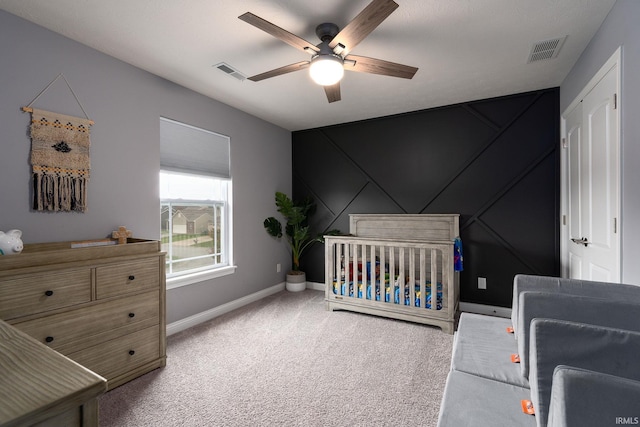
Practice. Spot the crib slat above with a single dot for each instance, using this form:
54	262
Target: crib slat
372	273
392	273
354	281
401	278
412	276
328	276
345	265
423	279
363	270
434	279
383	269
367	281
448	293
337	267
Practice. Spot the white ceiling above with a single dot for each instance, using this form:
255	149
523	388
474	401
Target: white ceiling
464	49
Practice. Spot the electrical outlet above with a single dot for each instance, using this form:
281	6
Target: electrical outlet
278	268
482	283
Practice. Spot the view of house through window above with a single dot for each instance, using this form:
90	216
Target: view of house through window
193	229
194	201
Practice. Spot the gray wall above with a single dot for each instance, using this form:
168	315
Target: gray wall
126	103
620	28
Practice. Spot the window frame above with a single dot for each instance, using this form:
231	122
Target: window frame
202	274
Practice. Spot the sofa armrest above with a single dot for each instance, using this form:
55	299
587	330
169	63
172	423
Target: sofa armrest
586	398
557	342
580	309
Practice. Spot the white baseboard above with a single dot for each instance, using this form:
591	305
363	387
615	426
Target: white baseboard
188	322
196	319
490	310
316	286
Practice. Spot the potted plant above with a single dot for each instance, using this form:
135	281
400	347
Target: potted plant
296	232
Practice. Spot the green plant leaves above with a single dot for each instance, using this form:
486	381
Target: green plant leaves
273	227
296	227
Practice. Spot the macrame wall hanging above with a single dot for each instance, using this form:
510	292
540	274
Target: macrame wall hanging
59	158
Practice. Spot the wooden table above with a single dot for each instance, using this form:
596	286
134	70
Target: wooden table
39	386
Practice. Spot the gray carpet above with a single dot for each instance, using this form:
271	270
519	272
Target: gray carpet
286	361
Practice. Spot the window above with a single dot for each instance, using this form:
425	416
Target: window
195	211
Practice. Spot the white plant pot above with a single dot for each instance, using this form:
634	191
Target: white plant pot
296	282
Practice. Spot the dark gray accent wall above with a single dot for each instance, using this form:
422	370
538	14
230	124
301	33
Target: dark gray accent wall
126	104
495	162
619	29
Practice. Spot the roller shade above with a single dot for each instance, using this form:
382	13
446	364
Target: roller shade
185	148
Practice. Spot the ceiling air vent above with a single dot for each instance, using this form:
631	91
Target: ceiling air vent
546	49
228	69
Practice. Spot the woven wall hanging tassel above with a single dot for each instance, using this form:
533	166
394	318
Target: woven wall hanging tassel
60	158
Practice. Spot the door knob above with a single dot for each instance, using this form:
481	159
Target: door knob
584	241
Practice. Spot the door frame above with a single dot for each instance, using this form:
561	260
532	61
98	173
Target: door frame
614	61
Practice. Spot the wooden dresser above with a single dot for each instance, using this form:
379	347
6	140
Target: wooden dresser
102	306
39	386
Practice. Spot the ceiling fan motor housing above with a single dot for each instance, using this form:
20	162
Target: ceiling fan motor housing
327	31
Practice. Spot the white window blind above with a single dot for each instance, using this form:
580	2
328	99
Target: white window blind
185	148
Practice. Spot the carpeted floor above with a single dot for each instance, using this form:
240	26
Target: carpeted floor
286	361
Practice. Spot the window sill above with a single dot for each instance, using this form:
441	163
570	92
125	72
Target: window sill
190	279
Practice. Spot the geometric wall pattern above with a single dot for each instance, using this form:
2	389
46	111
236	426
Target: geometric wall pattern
495	162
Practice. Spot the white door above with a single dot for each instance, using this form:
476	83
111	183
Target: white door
573	219
591	235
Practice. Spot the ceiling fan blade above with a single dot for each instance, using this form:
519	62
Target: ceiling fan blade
279	71
278	32
379	66
333	92
360	27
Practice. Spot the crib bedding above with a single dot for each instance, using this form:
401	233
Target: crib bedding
341	289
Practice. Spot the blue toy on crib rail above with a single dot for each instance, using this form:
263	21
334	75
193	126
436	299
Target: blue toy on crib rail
457	254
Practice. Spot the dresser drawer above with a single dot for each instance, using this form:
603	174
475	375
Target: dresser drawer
36	293
121	355
83	327
119	279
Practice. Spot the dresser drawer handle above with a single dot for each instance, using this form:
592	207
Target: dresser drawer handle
132	315
48	339
48	293
131	352
132	277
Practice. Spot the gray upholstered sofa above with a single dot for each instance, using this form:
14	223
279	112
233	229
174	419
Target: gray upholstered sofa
578	344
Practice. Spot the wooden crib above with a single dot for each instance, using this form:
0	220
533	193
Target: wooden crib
399	266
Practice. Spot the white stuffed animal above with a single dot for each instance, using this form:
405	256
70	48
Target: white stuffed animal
10	242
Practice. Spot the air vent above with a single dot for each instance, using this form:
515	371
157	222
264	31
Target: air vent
228	69
546	49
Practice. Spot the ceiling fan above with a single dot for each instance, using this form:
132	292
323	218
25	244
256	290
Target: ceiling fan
332	56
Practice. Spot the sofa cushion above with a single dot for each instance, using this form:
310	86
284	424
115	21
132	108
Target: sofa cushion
580	309
557	342
470	400
483	347
586	398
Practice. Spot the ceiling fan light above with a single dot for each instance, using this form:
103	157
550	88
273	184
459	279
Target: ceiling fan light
326	70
